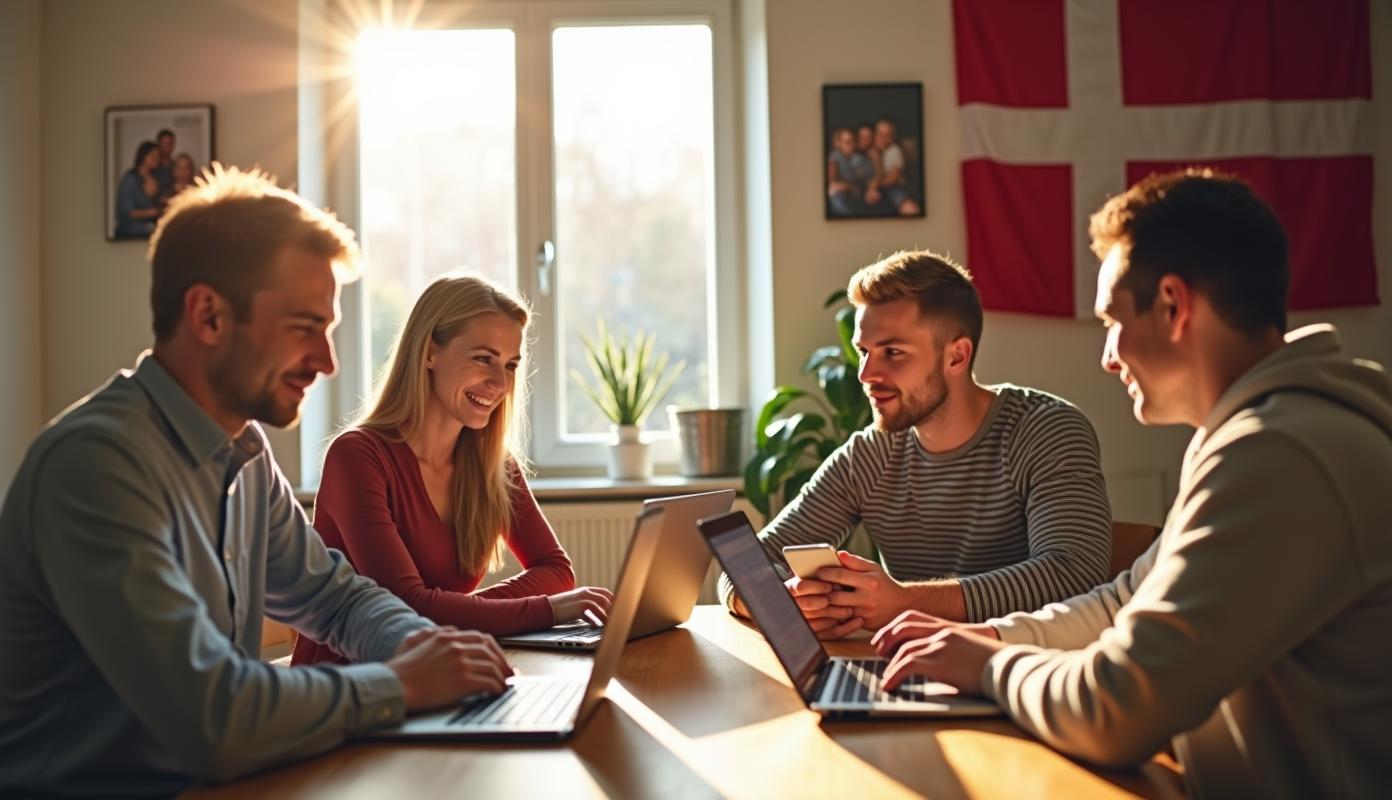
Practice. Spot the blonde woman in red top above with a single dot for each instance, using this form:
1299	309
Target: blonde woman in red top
428	488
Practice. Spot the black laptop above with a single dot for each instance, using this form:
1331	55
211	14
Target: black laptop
834	687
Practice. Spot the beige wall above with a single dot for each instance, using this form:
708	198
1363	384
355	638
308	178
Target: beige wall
238	55
20	400
812	42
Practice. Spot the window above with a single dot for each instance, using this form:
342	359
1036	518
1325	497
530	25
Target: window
577	155
437	148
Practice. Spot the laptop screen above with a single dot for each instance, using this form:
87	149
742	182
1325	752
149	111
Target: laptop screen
647	535
733	541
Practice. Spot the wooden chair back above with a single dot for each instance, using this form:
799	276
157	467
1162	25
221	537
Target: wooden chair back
1129	541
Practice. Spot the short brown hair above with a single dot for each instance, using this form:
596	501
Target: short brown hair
1211	230
943	288
225	230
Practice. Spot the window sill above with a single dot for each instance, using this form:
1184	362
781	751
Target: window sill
603	488
579	488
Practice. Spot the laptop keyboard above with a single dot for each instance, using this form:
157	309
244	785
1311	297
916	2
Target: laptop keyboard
582	637
549	703
857	680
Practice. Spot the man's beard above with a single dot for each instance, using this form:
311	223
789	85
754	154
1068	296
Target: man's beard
914	407
234	380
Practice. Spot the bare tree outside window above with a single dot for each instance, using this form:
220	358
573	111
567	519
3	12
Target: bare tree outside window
634	196
630	203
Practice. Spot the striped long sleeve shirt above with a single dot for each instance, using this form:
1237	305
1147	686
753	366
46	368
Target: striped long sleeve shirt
1018	514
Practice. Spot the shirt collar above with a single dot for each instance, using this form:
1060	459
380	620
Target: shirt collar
200	435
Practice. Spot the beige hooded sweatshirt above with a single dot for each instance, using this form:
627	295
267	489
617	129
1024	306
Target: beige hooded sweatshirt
1257	631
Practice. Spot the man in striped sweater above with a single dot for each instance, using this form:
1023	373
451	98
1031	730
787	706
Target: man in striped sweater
981	500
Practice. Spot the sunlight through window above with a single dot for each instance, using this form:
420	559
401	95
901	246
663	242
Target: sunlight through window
438	176
634	196
613	165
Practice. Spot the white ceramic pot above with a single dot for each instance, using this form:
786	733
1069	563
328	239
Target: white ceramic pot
629	458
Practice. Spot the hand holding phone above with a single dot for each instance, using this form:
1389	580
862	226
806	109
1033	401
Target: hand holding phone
806	559
826	620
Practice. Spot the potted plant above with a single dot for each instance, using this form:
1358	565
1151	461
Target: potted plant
628	382
797	430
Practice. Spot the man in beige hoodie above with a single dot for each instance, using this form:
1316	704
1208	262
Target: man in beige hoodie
1256	633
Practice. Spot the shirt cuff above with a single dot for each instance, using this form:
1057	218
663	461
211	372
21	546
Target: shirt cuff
725	592
379	701
993	674
973	596
540	615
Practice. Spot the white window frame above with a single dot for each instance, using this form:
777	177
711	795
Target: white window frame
329	159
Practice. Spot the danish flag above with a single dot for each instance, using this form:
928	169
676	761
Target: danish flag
1064	103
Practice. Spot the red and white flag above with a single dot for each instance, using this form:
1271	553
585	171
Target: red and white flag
1064	103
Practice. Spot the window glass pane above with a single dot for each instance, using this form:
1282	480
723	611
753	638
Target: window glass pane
634	198
438	175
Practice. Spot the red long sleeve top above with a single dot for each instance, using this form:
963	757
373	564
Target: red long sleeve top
373	506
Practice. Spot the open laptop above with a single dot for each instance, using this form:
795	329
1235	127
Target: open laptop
673	584
834	687
549	706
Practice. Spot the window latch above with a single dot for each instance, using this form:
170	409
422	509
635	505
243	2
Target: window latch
545	262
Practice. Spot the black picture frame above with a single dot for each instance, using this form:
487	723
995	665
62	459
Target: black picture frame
126	130
892	112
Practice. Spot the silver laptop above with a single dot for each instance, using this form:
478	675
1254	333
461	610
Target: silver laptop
833	687
549	706
673	584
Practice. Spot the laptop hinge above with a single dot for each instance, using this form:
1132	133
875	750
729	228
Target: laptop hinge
816	683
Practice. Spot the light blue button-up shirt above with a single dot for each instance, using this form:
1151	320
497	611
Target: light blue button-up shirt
139	550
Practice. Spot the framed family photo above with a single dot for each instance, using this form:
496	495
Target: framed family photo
152	154
872	141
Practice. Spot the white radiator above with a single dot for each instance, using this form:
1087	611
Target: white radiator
595	536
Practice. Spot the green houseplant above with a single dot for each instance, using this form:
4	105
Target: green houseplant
796	430
627	384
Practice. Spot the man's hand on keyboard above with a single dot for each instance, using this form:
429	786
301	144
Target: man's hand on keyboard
912	625
952	655
437	666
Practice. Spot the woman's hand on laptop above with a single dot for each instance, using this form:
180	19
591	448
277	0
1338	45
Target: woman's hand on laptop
912	625
437	666
572	606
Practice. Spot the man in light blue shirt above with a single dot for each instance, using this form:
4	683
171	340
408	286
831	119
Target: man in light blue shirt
149	529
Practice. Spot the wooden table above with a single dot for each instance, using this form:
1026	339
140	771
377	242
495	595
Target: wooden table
705	711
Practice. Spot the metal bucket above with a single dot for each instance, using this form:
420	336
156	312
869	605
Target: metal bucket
710	441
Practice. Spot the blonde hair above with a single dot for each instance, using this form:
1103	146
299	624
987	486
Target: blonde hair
942	287
225	231
484	460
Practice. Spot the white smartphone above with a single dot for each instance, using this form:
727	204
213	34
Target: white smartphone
806	559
